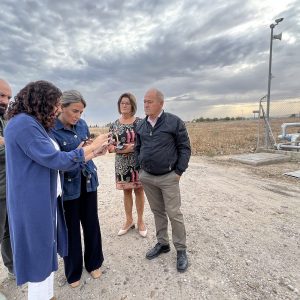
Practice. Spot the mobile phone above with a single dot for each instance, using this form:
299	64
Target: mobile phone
84	142
120	146
111	139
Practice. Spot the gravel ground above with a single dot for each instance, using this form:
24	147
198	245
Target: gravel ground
243	233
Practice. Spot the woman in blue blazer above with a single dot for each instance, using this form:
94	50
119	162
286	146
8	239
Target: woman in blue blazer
35	210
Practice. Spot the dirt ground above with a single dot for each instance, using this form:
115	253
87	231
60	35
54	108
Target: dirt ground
243	234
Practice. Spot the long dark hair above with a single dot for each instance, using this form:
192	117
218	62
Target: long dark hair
37	99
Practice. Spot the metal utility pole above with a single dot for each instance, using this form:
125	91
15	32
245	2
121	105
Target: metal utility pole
278	37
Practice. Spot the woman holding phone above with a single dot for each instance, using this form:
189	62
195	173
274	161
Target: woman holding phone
123	133
34	191
79	193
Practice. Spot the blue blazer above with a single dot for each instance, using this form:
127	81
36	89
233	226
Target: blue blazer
32	163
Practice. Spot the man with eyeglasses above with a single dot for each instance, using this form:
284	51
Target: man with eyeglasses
5	95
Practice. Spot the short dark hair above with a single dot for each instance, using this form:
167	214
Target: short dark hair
37	99
132	100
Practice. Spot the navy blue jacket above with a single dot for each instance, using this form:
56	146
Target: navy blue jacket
32	163
164	147
69	140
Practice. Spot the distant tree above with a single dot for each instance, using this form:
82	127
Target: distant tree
215	119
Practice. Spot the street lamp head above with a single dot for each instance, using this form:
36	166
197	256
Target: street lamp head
279	20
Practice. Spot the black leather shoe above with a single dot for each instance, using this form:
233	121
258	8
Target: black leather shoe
182	261
157	250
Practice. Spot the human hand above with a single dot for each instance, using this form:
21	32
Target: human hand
127	148
87	142
111	148
101	151
101	140
2	142
102	143
178	177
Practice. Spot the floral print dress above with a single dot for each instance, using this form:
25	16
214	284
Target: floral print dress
126	176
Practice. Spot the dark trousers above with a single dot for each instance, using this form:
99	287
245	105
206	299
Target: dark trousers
84	211
5	237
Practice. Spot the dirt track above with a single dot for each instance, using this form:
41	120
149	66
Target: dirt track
243	227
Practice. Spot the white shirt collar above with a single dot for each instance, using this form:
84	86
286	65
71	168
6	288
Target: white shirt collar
153	121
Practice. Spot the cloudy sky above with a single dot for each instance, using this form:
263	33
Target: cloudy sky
210	58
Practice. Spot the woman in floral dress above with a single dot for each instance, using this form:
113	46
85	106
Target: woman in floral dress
123	134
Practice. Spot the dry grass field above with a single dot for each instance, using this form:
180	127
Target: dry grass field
225	137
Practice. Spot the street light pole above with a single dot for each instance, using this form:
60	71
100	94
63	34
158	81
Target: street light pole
270	73
278	37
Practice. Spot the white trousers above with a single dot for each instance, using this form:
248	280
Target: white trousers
41	290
